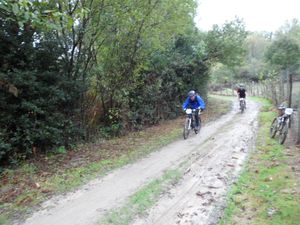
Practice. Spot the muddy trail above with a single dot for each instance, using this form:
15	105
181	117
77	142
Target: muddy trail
215	157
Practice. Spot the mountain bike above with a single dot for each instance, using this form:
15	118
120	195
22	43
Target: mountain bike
242	105
190	122
281	124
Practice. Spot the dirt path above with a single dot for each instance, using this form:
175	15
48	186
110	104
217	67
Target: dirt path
218	154
201	195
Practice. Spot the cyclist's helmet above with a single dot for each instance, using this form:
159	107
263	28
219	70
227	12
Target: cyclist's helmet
192	93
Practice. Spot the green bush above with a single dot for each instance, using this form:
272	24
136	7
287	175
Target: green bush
40	113
38	118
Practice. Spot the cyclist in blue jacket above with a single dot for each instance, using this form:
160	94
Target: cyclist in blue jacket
194	101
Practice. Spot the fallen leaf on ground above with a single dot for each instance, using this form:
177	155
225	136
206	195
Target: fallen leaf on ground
213	187
187	171
25	200
180	215
36	185
202	194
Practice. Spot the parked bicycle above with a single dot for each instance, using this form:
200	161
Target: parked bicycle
190	123
242	105
281	124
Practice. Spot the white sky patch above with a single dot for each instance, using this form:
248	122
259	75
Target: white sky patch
258	15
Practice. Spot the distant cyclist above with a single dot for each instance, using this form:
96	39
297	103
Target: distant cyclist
194	101
241	92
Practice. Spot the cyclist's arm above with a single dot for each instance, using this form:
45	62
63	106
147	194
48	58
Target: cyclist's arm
185	104
201	102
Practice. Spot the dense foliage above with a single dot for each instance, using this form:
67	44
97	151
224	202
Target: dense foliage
38	113
71	70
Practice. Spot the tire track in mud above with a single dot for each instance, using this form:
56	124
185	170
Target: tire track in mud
201	195
89	203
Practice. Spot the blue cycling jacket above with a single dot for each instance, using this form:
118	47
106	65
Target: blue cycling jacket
197	103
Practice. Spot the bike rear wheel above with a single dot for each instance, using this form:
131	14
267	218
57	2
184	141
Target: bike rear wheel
242	106
186	128
283	133
273	128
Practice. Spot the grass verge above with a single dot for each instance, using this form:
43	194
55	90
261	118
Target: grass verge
24	188
267	190
142	200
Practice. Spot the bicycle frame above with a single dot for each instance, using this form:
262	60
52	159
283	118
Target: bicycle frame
281	124
191	113
190	122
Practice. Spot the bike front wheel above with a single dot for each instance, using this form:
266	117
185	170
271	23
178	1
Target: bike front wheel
242	109
186	128
283	133
273	128
242	106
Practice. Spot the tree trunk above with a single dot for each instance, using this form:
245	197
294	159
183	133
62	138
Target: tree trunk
282	92
290	77
273	92
298	133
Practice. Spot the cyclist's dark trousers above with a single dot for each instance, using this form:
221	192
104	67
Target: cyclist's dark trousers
197	118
